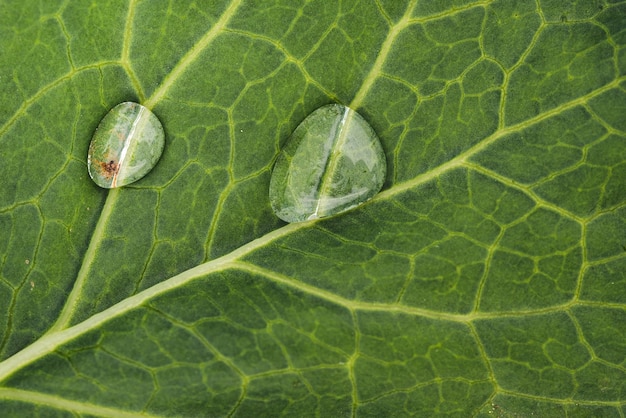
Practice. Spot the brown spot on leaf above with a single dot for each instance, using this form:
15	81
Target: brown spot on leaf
108	168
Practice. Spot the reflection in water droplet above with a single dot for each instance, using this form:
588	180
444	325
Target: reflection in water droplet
332	162
126	145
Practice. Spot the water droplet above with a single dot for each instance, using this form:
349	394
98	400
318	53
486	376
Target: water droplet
332	162
126	145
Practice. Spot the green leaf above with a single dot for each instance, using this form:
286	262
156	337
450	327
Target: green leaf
488	278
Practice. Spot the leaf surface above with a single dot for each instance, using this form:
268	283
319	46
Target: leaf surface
488	278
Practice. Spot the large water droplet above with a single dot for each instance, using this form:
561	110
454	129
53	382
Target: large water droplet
332	162
126	145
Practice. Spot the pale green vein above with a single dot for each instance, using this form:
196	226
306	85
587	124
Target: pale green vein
58	335
50	341
385	49
288	57
28	102
462	159
350	364
63	404
192	55
72	301
128	33
483	279
349	304
483	353
510	71
67	36
125	58
99	232
383	13
570	401
377	69
355	305
527	191
55	338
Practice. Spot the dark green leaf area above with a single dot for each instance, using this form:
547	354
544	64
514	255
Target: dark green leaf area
557	11
488	278
179	362
545	264
346	52
597	181
520	282
482	78
397	102
317	392
35	294
543	232
17	250
610	108
470	117
426	253
443	281
546	355
605	282
168	31
613	19
443	53
509	29
86	38
36	300
603	329
567	61
295	27
196	134
91	375
30	409
23	70
55	213
263	105
603	236
34	146
426	9
395	365
184	223
593	185
260	326
245	215
393	10
226	72
447	399
251	78
113	281
292	360
532	155
510	406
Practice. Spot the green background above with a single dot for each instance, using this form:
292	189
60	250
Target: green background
487	279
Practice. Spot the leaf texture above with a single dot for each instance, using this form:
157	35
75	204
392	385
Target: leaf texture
488	278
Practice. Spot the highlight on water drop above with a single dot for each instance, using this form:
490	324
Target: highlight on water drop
331	163
126	146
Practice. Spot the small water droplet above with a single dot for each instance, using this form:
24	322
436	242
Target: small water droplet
331	163
126	145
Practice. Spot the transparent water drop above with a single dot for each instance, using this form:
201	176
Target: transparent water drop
126	145
331	163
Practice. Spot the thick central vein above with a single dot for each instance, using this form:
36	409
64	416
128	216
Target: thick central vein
99	233
61	334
